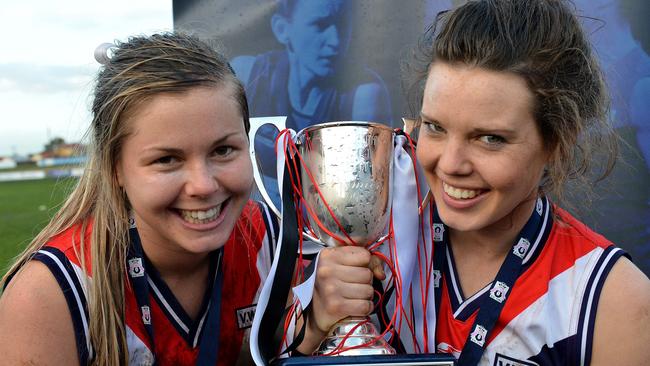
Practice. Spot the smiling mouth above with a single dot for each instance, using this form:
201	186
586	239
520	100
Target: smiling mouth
459	193
202	216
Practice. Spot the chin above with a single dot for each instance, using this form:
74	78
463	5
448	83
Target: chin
461	222
204	246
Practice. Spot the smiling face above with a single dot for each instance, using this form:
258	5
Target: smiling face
186	170
480	147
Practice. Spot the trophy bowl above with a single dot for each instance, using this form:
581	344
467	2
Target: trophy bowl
346	179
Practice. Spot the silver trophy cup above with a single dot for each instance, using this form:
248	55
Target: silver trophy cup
345	175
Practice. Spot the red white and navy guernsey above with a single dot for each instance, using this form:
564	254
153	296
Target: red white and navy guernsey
547	317
245	261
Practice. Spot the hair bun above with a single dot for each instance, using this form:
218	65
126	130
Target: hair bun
103	53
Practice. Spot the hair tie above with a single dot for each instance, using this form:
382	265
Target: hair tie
104	52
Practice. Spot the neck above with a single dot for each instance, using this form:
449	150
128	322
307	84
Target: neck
302	84
479	254
494	242
174	264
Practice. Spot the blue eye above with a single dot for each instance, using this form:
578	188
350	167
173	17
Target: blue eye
492	139
433	127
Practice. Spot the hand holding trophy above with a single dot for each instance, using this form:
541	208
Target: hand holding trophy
341	174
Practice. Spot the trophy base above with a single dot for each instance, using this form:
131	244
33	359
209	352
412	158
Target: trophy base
355	336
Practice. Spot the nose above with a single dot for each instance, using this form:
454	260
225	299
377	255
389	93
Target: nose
332	36
201	181
454	158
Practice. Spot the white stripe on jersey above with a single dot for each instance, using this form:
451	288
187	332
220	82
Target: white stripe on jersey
470	300
540	235
543	323
590	300
80	306
453	282
166	305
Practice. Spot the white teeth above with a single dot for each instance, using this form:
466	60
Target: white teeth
200	217
459	193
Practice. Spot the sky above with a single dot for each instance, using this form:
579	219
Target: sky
47	65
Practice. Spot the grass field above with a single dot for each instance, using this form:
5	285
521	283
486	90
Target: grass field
25	208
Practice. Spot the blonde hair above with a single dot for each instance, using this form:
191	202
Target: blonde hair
138	69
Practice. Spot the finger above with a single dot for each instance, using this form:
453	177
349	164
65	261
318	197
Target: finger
359	307
356	291
353	256
350	274
377	267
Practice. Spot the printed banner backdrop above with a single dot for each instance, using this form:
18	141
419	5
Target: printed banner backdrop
321	60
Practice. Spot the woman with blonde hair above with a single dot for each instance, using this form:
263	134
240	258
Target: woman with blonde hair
157	255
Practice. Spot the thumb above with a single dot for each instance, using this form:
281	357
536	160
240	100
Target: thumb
377	267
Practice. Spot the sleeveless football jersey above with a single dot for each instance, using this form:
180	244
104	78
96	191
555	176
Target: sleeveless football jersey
548	318
246	260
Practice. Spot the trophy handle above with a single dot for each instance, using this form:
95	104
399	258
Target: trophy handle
256	123
314	244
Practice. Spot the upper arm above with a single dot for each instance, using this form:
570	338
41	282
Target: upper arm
35	322
622	328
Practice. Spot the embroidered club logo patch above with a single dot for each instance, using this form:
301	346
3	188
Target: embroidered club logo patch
478	335
438	232
135	267
521	248
146	315
436	278
499	291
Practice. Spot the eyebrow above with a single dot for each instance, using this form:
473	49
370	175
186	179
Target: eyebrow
171	150
479	130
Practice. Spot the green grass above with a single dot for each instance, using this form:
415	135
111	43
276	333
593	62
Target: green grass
25	207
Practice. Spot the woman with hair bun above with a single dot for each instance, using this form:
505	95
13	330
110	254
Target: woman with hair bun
513	107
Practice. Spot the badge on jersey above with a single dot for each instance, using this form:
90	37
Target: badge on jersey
136	269
146	314
499	291
478	335
521	248
245	316
438	232
436	278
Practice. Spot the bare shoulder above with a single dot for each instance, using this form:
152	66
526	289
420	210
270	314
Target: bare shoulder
35	320
621	334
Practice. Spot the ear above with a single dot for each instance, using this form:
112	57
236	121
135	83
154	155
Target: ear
280	28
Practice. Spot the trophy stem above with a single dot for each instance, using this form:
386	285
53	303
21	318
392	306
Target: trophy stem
354	336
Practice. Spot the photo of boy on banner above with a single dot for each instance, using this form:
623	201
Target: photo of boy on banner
310	80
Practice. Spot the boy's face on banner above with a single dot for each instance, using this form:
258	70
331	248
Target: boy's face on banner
319	34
